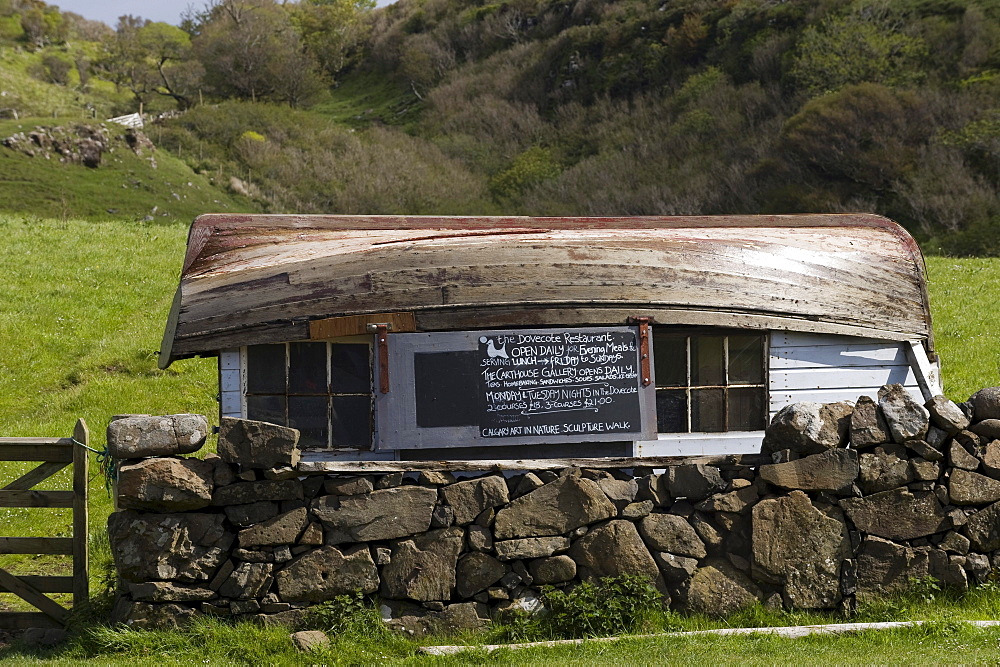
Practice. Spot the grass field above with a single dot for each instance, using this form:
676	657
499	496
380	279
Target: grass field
82	309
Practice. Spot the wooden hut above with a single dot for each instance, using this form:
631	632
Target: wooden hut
391	337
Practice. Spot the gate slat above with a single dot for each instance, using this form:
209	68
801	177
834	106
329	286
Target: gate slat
36	453
34	476
47	605
36	498
44	583
37	545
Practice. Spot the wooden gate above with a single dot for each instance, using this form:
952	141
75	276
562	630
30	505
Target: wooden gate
54	455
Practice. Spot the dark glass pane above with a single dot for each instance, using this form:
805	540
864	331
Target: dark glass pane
311	415
671	411
266	369
708	410
669	359
351	368
746	359
707	361
266	409
351	421
306	368
747	408
447	388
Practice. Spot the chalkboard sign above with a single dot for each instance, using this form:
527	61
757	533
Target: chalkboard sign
460	389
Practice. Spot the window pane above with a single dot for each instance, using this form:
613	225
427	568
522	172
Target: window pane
746	359
351	366
266	409
447	388
669	359
311	415
307	368
707	360
747	411
351	421
708	410
671	411
266	369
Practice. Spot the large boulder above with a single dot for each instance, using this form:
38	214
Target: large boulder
141	436
423	568
614	549
165	484
470	498
809	428
802	548
180	547
324	573
832	470
907	419
719	589
554	509
897	514
385	514
256	444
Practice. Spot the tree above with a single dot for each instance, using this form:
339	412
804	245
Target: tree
331	30
251	50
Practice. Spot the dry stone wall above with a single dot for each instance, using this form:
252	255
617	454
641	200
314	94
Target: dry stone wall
858	500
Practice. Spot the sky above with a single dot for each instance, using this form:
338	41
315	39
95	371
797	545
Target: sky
108	11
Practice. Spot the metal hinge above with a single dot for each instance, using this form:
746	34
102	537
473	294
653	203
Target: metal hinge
644	369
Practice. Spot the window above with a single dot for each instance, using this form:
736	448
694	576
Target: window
709	382
322	389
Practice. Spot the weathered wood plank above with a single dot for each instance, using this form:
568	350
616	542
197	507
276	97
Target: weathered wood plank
45	583
30	498
733	460
38	474
7	442
269	272
81	524
353	325
29	594
17	620
53	453
37	545
837	356
846	377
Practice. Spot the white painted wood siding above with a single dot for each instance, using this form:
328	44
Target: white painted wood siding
824	369
231	384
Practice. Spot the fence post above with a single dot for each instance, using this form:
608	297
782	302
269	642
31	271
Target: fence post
81	532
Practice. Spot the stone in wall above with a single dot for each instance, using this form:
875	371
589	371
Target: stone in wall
898	514
423	568
614	549
326	572
380	515
165	484
906	419
256	444
556	508
140	436
808	428
801	548
470	498
832	470
718	589
181	547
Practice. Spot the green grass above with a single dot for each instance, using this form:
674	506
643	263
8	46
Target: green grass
82	310
965	294
362	99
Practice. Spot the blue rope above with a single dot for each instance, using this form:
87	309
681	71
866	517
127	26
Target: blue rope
106	463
